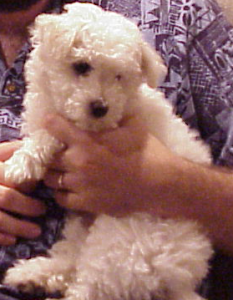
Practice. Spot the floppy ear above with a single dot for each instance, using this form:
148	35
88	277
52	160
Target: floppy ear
81	10
153	68
41	28
49	33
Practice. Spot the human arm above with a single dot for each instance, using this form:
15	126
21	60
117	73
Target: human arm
13	201
127	170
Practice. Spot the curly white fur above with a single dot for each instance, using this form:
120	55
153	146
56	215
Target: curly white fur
94	68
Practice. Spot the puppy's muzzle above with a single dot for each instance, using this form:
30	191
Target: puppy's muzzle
98	108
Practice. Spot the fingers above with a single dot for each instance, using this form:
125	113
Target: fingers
86	148
82	201
127	138
7	149
85	191
67	181
10	228
13	201
94	166
69	134
56	180
64	130
74	191
6	239
93	201
83	177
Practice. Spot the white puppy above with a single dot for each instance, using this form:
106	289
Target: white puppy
94	68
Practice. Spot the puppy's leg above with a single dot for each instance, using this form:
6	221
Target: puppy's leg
138	257
29	162
52	273
109	263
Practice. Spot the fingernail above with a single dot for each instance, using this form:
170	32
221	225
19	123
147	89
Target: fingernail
10	240
34	232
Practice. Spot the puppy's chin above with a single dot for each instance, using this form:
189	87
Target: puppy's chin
96	126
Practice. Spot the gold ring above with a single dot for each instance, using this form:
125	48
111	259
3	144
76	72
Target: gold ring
60	181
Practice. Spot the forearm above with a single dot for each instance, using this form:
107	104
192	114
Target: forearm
204	194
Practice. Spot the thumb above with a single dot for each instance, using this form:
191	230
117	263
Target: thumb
8	148
129	136
64	130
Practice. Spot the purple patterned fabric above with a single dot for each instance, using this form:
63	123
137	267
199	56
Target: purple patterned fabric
196	43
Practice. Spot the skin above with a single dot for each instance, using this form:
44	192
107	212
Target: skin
14	28
12	200
127	170
19	19
13	33
126	165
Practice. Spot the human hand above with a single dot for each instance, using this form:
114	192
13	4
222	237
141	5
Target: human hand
116	171
128	170
13	201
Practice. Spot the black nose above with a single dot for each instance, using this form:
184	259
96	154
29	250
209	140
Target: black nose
98	108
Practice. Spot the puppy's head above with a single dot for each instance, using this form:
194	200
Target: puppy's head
94	62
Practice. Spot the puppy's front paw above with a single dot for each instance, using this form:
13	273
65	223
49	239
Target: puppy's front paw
35	276
22	167
22	279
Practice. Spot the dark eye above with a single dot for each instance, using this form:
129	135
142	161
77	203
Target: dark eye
82	68
118	77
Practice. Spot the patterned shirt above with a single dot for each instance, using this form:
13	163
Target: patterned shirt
196	43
